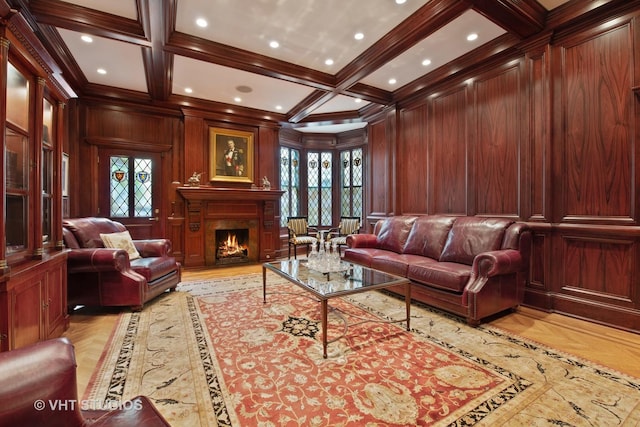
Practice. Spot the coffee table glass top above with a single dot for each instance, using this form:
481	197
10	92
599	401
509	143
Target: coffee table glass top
353	279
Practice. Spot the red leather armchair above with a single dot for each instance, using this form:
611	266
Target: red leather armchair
99	276
39	388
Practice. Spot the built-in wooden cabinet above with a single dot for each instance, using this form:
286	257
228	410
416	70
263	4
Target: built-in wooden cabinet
33	269
33	302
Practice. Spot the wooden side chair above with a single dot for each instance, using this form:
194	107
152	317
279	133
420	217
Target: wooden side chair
300	234
348	225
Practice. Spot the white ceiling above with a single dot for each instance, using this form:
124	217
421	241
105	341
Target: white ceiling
308	32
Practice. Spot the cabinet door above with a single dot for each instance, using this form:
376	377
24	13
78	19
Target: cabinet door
4	321
55	303
28	309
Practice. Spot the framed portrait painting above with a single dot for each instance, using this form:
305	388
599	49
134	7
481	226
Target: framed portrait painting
230	155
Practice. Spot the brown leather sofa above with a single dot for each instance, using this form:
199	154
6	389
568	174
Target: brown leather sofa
39	388
471	266
99	276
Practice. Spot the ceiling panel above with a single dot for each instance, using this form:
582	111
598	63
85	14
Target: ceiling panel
124	8
443	46
341	103
121	61
224	84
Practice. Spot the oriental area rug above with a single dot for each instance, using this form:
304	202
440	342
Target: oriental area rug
213	354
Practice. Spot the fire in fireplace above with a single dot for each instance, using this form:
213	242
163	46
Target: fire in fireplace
231	246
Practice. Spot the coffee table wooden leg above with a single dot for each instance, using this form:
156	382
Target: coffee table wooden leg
324	328
407	301
264	284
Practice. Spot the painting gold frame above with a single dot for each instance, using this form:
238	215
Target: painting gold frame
226	165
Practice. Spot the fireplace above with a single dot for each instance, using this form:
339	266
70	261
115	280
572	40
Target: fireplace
209	209
232	246
231	241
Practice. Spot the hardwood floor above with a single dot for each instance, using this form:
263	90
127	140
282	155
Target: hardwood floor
90	330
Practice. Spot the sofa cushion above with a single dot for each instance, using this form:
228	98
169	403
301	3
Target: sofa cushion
470	236
121	240
428	235
449	276
393	263
394	232
362	256
154	267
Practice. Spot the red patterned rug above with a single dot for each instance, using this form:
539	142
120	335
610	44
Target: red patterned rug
215	354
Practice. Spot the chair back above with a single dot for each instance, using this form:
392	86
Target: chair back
349	225
298	225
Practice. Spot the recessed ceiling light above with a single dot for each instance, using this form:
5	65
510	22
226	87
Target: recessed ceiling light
278	107
358	36
274	44
237	99
471	37
101	71
426	62
392	81
188	90
201	22
358	100
244	89
329	61
86	39
401	1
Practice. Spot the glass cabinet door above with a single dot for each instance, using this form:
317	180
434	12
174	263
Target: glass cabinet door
47	169
17	191
17	161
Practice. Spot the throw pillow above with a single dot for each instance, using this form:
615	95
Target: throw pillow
120	240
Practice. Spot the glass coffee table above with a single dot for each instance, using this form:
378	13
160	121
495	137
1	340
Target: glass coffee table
345	280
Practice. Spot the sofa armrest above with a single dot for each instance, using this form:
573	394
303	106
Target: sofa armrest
496	263
97	260
153	247
362	240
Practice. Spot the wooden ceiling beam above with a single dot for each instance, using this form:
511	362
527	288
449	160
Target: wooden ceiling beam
522	18
217	53
158	63
77	18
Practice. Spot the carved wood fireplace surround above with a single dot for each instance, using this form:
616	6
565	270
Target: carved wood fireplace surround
210	208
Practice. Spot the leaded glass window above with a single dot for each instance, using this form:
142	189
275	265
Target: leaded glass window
130	187
290	183
352	194
319	185
313	180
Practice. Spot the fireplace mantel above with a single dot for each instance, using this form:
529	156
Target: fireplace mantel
207	204
216	193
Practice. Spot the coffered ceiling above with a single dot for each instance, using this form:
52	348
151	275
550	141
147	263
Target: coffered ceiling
320	77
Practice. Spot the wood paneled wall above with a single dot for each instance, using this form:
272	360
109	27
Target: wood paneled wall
547	136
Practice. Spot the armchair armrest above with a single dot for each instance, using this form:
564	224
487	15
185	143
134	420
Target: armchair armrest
331	231
496	263
97	260
362	241
42	372
153	247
